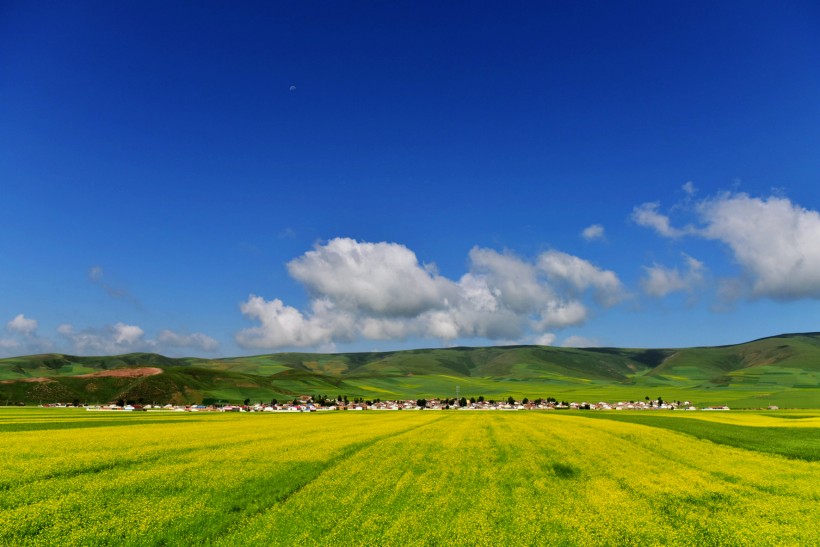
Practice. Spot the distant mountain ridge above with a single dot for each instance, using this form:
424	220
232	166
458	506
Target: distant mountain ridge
785	367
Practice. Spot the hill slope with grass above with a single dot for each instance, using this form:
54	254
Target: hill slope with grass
782	370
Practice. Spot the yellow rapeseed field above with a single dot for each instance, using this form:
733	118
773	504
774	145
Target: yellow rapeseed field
390	478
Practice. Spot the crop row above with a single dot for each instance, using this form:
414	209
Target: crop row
397	478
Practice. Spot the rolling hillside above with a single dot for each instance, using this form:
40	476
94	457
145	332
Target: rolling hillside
782	370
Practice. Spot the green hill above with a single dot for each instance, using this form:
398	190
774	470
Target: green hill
783	370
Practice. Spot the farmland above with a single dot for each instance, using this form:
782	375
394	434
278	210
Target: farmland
71	477
780	370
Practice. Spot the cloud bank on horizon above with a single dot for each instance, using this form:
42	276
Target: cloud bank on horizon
380	291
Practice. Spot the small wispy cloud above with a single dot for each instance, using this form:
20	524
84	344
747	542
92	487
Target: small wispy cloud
593	232
648	216
96	275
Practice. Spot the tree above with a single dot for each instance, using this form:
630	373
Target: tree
472	400
462	402
510	400
246	402
525	400
421	403
481	398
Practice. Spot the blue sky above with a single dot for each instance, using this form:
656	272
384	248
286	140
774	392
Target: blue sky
207	179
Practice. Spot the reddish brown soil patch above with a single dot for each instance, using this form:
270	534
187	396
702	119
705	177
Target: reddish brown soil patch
123	373
29	380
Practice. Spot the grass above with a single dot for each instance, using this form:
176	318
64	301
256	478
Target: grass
792	442
782	370
382	478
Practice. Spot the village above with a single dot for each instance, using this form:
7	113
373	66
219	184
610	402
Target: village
308	403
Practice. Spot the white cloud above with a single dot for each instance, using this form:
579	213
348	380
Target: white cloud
109	340
647	215
580	274
512	282
123	338
22	325
593	232
580	342
561	314
283	325
546	339
660	280
9	344
23	337
380	291
382	278
775	241
197	340
127	334
689	188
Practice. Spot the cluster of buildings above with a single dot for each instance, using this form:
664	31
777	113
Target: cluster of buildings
307	404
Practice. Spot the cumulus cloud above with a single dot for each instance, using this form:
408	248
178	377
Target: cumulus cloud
380	291
580	275
22	325
109	340
23	337
593	232
118	338
774	240
647	215
660	280
381	278
282	325
124	338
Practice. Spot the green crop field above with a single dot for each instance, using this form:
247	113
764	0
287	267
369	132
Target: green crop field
70	477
